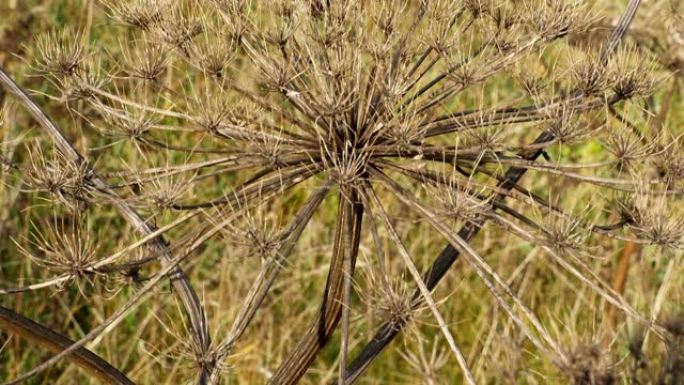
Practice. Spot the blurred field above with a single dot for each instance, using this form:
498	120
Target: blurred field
146	345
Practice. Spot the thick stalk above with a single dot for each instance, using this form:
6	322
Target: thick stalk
350	213
55	342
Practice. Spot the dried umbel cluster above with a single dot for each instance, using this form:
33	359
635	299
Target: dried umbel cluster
453	113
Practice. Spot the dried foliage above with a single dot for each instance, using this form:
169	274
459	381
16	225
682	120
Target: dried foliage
222	131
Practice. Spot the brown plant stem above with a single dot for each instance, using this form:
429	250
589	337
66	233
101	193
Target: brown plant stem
55	342
349	218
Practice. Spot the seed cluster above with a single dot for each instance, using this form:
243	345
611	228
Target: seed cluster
452	113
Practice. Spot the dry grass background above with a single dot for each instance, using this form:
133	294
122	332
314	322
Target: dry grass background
151	345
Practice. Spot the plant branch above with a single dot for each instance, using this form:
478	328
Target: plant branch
55	342
350	213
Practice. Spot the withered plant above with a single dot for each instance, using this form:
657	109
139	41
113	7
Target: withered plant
433	110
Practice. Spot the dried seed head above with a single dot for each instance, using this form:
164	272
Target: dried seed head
589	75
81	86
488	140
165	191
189	355
65	246
141	14
566	126
404	130
563	234
212	112
145	60
632	73
462	74
551	20
440	14
177	27
60	53
658	223
627	149
533	79
438	38
268	147
389	300
126	123
285	23
213	52
458	201
275	75
59	177
626	207
257	234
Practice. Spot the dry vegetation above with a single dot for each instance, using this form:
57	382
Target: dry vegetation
353	191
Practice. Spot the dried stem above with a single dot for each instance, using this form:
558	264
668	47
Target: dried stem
90	362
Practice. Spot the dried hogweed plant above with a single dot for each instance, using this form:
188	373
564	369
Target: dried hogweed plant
204	114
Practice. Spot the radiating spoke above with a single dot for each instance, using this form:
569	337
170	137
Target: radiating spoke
349	216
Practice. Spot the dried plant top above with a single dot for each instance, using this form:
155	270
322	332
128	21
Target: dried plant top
203	115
